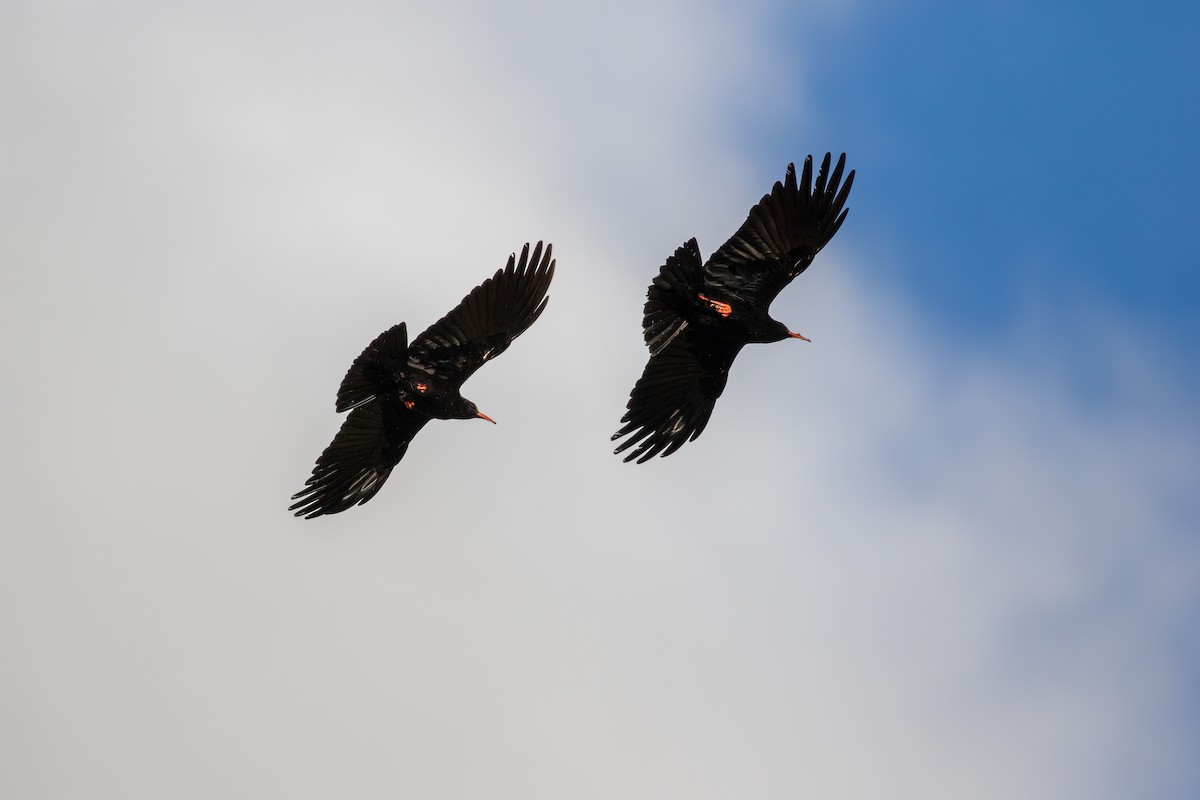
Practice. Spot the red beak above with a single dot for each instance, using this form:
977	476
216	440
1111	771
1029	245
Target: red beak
482	415
799	336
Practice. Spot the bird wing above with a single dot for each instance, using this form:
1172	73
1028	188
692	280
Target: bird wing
487	320
782	234
682	273
672	401
371	372
355	465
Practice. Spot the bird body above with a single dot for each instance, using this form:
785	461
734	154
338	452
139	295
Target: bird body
386	368
394	388
699	315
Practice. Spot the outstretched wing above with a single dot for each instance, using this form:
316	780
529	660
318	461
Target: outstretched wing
371	441
487	320
782	234
672	401
371	373
681	275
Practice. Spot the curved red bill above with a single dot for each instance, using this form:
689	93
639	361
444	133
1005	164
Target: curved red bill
799	336
482	415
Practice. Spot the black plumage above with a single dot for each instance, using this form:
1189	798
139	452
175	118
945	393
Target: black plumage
393	388
698	316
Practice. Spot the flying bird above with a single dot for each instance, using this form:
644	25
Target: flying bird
698	315
393	388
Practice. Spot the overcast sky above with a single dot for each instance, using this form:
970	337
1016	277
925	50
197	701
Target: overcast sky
949	549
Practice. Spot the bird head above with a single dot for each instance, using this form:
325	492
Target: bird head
776	331
468	410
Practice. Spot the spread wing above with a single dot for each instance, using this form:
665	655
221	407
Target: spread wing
782	234
487	320
371	373
371	441
672	401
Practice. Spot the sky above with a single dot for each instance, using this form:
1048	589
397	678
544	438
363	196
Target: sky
948	549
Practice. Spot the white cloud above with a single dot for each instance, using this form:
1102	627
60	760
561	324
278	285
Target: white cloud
891	567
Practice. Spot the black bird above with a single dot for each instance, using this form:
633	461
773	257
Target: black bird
699	316
394	388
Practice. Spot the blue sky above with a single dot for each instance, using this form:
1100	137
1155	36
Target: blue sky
948	549
1043	148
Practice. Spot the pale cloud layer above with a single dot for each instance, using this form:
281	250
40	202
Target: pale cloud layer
894	566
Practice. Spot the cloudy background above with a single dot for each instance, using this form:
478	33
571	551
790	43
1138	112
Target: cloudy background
949	549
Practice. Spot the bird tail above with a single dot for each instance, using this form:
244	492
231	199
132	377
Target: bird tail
661	322
370	373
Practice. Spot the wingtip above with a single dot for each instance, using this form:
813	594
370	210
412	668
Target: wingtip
541	259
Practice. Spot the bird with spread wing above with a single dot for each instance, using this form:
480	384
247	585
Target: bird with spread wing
698	316
393	388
